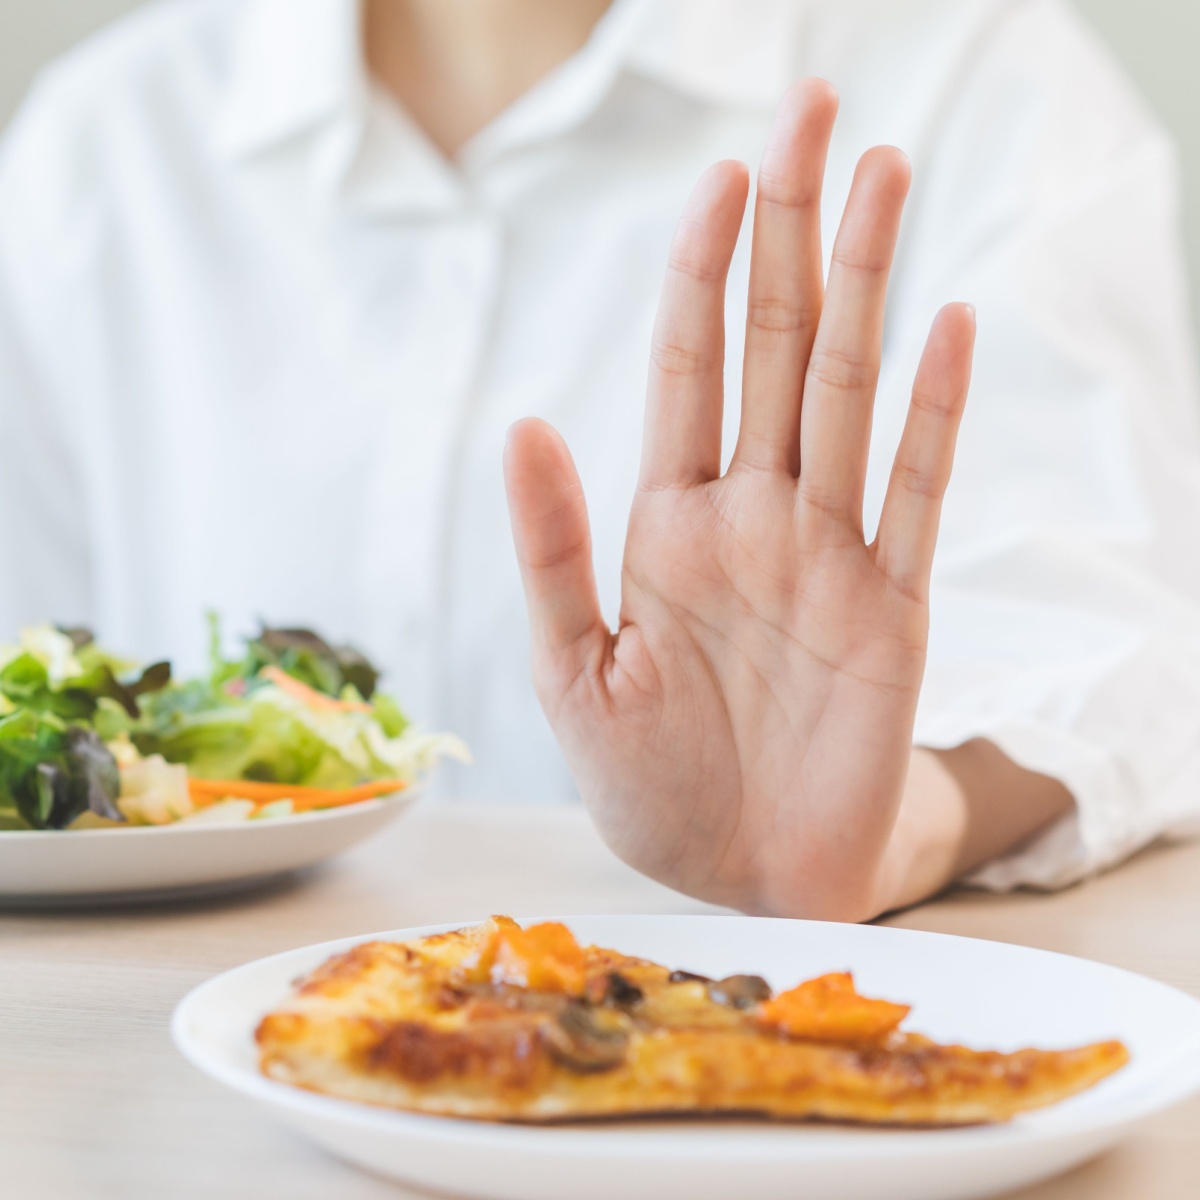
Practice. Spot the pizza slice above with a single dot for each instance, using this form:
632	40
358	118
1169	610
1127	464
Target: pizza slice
506	1023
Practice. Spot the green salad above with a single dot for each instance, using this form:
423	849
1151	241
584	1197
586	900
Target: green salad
90	740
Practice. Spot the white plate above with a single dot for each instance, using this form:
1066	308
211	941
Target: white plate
980	993
154	862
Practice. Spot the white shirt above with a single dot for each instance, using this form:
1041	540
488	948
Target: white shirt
260	343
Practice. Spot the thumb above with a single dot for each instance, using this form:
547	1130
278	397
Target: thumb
554	550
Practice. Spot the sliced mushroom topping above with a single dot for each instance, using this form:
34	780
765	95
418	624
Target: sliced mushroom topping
687	977
620	993
585	1039
739	991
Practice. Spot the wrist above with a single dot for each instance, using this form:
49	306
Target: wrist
961	808
932	827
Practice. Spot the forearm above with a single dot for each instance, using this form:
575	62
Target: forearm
962	808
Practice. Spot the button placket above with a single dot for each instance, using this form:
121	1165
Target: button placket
479	261
412	506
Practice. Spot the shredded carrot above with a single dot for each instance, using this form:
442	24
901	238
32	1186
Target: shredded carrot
310	696
205	792
330	798
249	789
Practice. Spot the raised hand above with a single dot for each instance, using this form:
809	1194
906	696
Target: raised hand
746	734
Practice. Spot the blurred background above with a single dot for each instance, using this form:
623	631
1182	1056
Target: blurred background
1157	40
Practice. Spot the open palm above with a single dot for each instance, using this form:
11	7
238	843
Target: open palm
745	735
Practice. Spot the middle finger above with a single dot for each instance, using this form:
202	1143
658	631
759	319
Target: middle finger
843	370
786	278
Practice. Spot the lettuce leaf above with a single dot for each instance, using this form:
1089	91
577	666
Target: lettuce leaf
50	773
303	654
245	739
273	737
49	673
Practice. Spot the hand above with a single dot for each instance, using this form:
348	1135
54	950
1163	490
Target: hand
746	734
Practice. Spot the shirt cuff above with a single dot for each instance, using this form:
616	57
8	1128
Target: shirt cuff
1106	825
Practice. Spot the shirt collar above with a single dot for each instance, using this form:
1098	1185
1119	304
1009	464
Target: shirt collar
293	65
298	63
734	52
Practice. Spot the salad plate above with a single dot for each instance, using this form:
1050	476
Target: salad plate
976	993
40	868
121	782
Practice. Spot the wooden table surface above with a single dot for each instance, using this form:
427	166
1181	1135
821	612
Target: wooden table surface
95	1103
